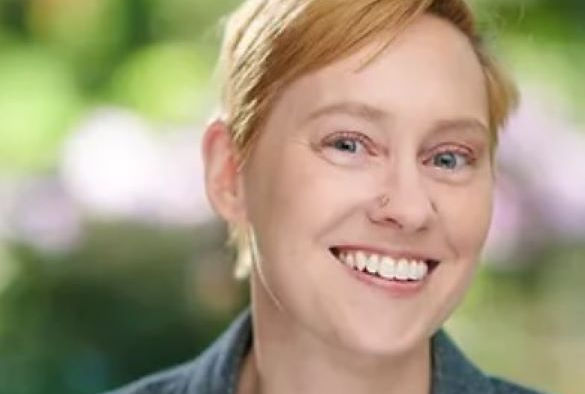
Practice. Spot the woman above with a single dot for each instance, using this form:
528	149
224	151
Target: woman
353	162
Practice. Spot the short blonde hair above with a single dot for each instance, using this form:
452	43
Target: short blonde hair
269	43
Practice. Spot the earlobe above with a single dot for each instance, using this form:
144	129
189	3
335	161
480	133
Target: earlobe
222	178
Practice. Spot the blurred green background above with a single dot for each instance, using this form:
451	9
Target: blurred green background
111	264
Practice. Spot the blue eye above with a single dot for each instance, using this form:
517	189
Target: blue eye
450	160
349	142
346	145
348	148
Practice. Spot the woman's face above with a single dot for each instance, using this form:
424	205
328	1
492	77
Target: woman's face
411	126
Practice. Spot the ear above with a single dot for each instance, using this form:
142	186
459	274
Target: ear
223	181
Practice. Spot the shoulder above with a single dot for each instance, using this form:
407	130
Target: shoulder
172	381
175	380
502	386
214	371
453	372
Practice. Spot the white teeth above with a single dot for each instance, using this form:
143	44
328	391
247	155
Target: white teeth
350	260
387	268
413	270
373	263
402	269
361	260
423	269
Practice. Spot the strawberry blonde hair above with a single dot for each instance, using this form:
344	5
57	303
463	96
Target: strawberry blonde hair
269	43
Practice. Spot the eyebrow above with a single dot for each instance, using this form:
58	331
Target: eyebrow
374	114
460	124
353	108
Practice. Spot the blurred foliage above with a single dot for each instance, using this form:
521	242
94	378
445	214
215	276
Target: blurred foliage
38	100
542	41
528	324
60	58
144	83
92	318
130	299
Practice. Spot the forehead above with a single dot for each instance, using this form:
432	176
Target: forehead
428	71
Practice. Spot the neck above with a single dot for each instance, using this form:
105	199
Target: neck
288	358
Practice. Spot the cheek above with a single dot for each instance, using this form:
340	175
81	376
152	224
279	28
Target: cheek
284	202
302	192
465	215
295	204
292	205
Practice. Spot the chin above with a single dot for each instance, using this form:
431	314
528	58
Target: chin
391	347
381	340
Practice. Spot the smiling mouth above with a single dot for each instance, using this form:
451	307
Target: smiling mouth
391	268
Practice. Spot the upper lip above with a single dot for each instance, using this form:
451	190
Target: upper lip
394	253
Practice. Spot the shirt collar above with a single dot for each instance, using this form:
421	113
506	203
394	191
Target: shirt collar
452	372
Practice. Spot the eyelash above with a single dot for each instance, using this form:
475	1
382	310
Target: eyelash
366	142
469	157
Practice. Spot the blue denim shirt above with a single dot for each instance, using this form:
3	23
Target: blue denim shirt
216	370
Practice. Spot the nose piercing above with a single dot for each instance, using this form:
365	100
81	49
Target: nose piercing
383	200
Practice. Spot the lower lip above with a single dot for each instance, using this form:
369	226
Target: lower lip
394	288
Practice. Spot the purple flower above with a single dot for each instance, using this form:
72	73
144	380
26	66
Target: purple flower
540	197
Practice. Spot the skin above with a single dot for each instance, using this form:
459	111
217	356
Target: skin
414	123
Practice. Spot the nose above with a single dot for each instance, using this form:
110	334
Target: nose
403	202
